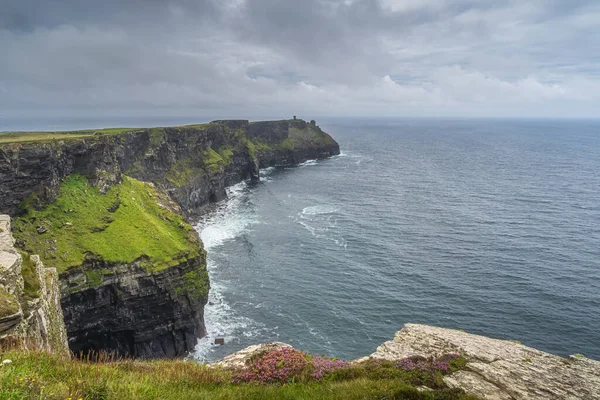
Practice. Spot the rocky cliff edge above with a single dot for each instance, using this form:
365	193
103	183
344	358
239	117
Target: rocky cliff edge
30	311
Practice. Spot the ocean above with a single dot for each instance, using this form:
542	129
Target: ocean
488	226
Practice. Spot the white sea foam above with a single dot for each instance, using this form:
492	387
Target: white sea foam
319	210
308	163
266	171
228	221
321	221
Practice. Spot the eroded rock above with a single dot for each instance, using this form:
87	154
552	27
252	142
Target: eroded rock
239	359
38	323
499	369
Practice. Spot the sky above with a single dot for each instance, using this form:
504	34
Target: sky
240	58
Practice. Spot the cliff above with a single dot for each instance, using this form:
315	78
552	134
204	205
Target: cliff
30	312
108	210
193	164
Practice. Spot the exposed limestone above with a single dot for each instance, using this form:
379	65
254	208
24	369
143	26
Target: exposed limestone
239	359
499	369
38	323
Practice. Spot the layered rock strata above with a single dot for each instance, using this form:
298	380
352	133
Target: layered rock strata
130	282
30	310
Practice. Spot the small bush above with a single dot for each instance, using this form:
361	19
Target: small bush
324	366
277	366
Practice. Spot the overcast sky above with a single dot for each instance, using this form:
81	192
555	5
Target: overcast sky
240	58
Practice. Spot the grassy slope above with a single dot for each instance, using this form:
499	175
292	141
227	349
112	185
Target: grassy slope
38	375
83	222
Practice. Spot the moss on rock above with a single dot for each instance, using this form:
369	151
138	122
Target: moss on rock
195	284
32	285
182	172
212	160
131	221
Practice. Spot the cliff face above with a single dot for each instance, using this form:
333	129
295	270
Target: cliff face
30	311
194	164
132	270
134	312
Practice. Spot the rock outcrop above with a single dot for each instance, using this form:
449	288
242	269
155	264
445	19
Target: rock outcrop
495	369
239	359
30	311
143	296
499	369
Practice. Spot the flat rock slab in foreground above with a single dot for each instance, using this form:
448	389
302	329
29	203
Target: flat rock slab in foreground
499	369
239	359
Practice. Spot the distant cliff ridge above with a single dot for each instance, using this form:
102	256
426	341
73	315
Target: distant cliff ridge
108	209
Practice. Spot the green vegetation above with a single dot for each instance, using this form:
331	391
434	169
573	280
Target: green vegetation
243	142
8	304
157	135
261	146
94	278
34	375
31	280
17	137
195	284
195	126
287	144
311	136
21	137
226	154
212	160
126	224
182	172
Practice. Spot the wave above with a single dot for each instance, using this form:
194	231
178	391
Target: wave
319	210
230	219
321	221
308	163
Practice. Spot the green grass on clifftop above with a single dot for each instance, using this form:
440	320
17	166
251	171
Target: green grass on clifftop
17	137
121	226
33	375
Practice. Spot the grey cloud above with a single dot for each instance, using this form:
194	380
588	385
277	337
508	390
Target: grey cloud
27	15
333	57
